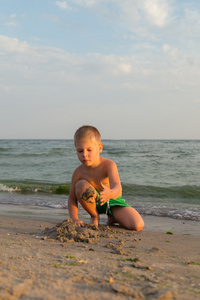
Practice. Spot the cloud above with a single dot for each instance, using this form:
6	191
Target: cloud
55	66
166	48
57	61
50	66
83	3
63	5
157	11
129	11
87	3
12	44
11	21
126	68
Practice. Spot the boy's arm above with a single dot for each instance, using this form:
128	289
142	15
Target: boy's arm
73	203
115	189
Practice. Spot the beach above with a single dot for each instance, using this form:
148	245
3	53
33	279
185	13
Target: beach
43	256
160	262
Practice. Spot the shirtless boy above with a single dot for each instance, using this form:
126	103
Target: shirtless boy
96	184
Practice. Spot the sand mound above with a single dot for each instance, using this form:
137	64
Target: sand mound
67	231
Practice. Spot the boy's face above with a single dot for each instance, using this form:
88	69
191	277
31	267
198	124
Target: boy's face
88	151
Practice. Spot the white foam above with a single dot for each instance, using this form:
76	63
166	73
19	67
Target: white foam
4	188
164	211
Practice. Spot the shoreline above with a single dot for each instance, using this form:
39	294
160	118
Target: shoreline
117	264
152	223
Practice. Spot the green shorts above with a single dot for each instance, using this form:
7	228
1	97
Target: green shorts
105	209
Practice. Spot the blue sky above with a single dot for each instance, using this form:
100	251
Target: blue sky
130	68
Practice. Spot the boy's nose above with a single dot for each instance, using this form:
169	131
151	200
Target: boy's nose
84	153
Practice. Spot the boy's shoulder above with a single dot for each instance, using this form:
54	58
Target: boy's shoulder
109	165
77	174
77	170
108	161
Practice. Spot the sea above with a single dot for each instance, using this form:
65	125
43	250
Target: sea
159	177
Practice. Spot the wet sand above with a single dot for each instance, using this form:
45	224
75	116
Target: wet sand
43	258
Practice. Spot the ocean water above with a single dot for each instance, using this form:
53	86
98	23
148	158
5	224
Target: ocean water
159	177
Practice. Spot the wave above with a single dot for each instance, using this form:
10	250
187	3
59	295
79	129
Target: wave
182	193
147	200
36	155
185	192
115	152
175	211
4	149
180	213
34	187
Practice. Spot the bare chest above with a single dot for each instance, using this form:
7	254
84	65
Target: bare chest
95	177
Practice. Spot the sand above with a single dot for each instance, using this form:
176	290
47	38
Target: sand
46	258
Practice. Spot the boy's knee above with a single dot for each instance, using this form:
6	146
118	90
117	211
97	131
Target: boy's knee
81	186
135	225
139	226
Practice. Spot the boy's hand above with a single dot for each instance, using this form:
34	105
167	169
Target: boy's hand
104	195
79	223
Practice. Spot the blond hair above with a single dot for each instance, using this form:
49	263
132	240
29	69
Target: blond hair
87	131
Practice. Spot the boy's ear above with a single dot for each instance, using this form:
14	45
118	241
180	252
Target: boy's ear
100	147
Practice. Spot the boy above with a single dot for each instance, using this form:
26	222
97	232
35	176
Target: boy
96	184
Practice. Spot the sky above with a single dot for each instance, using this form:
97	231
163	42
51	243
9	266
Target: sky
131	68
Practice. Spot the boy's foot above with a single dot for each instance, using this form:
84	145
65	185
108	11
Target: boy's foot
111	220
94	221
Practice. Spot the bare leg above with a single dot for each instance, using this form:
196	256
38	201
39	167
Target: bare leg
87	199
127	217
